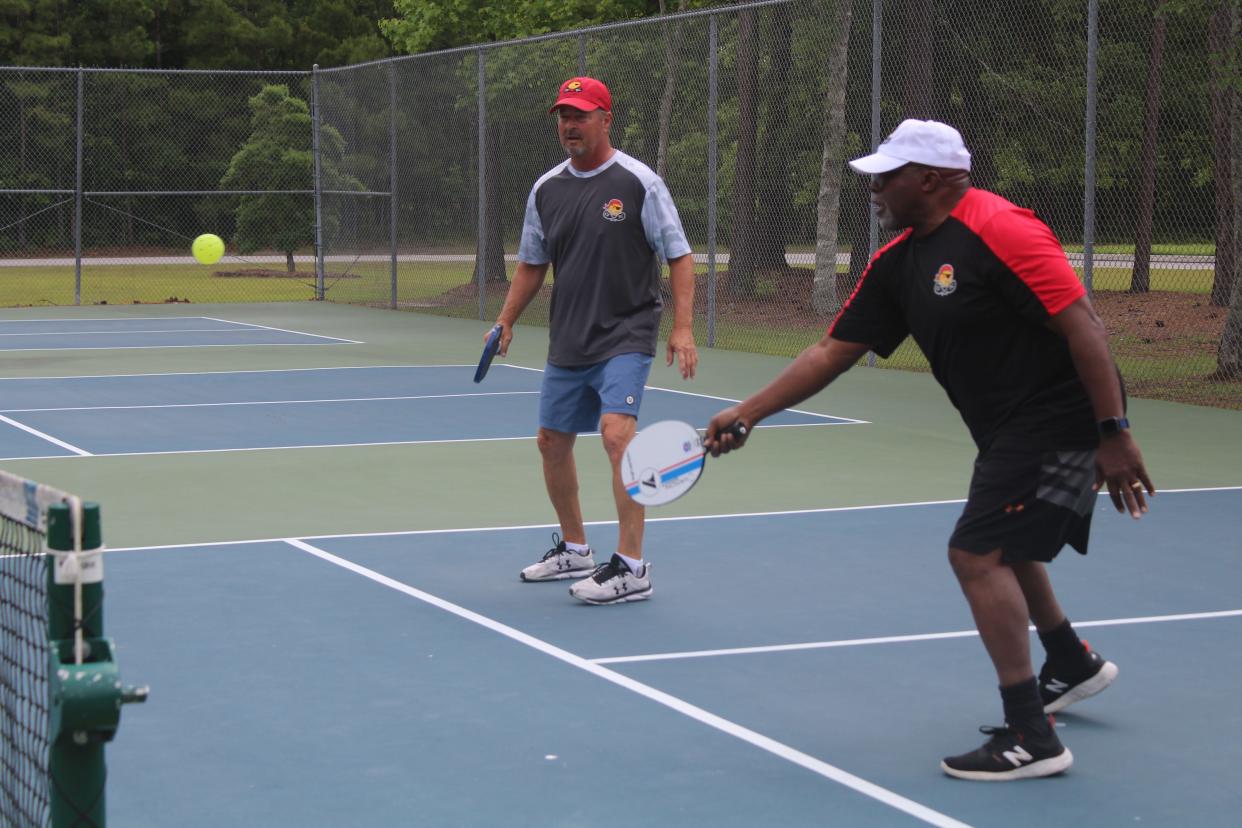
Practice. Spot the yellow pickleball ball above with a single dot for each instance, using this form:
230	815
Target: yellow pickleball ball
208	248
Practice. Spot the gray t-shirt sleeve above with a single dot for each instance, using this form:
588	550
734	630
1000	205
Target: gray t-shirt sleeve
533	249
662	224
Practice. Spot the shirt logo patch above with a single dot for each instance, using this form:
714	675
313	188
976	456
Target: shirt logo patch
614	210
943	283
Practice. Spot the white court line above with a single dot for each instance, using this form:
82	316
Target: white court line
100	319
127	331
898	639
49	438
778	749
843	420
244	326
286	448
240	371
445	441
282	330
531	526
270	402
153	347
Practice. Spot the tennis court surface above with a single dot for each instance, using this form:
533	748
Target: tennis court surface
313	563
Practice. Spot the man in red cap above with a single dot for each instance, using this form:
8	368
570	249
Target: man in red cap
604	221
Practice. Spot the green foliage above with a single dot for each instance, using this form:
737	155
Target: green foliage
427	25
278	155
197	34
423	25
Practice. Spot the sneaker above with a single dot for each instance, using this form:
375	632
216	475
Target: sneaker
560	562
1010	754
614	583
1059	692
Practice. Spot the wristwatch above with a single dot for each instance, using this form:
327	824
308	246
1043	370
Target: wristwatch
1112	425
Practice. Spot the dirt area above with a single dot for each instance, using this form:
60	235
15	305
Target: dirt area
1150	333
1167	320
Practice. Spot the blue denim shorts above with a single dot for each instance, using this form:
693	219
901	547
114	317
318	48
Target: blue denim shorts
572	399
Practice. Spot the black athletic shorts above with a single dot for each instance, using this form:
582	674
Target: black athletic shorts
1028	503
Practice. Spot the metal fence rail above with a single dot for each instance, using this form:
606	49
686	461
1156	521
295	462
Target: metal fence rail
401	183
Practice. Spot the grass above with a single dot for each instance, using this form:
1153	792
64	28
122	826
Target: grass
1185	249
1190	280
129	284
1153	373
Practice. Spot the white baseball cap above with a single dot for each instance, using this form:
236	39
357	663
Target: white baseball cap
930	143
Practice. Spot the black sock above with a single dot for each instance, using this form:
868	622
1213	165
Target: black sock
1065	650
1024	709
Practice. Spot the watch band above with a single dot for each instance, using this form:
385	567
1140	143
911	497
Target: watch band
1112	425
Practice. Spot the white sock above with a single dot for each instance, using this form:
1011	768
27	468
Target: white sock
638	567
580	548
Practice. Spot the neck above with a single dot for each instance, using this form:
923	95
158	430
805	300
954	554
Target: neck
940	210
590	162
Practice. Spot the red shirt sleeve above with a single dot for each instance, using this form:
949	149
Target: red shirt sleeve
1028	247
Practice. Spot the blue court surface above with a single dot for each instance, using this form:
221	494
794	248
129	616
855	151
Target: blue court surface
222	411
153	332
797	666
793	669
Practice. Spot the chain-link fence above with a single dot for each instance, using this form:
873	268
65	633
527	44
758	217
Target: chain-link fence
402	183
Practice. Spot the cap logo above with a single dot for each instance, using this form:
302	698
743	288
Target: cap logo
572	86
614	210
944	283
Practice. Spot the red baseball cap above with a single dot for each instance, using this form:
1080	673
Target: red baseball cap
586	94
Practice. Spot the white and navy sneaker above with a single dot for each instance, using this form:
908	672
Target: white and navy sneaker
1059	692
614	583
1010	754
560	562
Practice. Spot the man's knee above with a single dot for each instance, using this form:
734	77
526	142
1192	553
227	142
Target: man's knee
617	430
968	566
554	444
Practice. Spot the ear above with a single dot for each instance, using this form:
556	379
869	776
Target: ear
930	180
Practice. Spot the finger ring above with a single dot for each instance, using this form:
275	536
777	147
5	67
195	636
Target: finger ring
1136	485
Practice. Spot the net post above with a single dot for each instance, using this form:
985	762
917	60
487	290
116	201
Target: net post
84	691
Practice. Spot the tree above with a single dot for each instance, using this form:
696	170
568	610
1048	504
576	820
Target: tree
422	25
672	45
1140	280
1220	46
828	210
1229	354
278	154
742	215
425	25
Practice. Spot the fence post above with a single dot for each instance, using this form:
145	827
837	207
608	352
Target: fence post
713	34
319	288
480	251
1088	198
392	179
581	54
877	71
77	194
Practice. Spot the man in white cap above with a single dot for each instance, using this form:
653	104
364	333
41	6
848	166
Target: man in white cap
986	291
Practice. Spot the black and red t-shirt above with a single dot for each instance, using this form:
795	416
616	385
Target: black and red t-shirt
975	294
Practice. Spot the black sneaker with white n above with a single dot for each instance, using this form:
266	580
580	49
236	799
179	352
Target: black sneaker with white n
1060	691
1010	754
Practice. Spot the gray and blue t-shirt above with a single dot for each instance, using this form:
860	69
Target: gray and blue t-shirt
604	232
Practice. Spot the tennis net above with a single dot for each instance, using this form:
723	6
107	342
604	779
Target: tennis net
24	652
